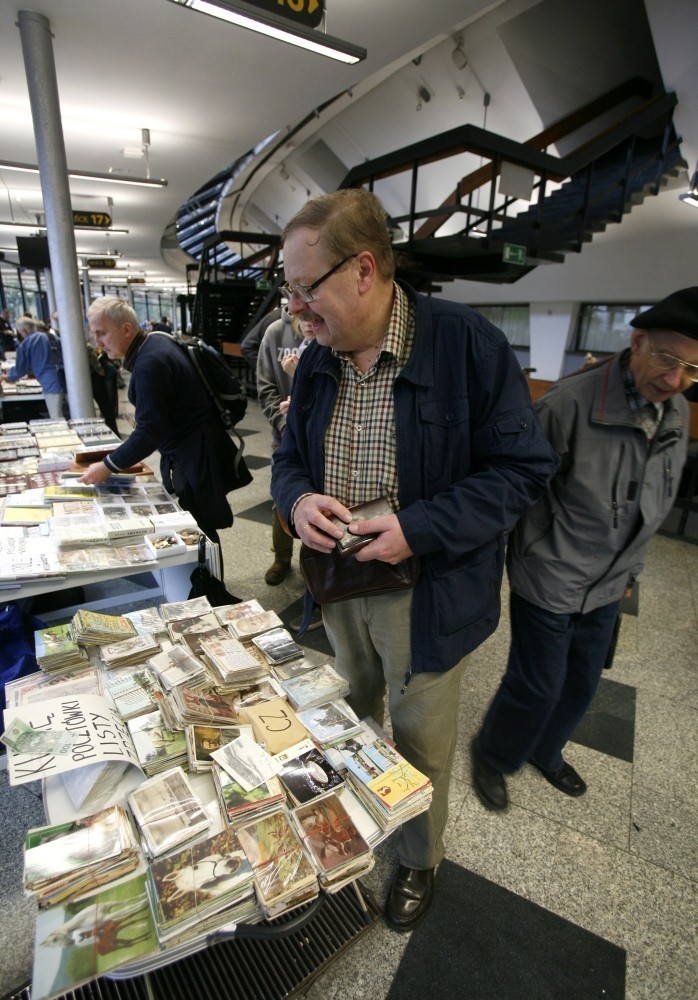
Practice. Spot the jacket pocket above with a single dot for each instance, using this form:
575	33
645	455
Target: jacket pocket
445	438
467	590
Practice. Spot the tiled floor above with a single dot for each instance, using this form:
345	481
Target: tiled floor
619	862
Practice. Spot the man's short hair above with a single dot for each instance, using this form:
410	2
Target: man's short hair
348	221
115	309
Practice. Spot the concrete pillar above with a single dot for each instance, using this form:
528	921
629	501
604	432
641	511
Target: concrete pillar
40	68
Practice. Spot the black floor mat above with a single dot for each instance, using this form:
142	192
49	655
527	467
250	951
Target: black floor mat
482	942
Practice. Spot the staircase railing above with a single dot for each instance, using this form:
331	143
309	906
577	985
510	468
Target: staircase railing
653	115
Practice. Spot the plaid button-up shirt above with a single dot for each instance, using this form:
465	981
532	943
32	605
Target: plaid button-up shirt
360	453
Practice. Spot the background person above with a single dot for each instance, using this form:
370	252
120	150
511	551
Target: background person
281	339
620	429
37	356
423	402
174	415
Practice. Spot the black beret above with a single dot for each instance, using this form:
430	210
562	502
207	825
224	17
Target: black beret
678	312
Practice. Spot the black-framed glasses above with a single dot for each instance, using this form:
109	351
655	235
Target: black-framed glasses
667	361
305	292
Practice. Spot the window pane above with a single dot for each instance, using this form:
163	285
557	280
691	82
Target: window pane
605	328
512	320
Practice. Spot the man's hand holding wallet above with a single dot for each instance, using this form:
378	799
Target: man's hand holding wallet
320	525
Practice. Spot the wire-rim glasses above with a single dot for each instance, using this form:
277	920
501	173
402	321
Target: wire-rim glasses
667	361
305	292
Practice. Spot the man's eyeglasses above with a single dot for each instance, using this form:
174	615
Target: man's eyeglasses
305	292
667	361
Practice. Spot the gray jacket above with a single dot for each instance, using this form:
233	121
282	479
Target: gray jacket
273	384
578	547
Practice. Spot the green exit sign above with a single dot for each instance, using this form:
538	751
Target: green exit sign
514	254
263	285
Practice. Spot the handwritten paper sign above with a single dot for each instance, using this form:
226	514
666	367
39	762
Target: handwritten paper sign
98	733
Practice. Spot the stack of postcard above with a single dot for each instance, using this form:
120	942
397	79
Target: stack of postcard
168	812
63	861
89	937
239	805
332	841
284	877
248	626
175	665
91	628
158	748
135	649
227	613
133	690
330	723
314	687
201	887
56	649
190	707
306	773
277	645
203	740
388	785
78	533
232	664
39	686
123	528
185	609
192	631
147	621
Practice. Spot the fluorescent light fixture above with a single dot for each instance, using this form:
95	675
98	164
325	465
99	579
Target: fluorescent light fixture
282	28
133	152
78	229
89	175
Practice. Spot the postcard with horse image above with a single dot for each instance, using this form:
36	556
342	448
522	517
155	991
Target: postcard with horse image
201	879
82	940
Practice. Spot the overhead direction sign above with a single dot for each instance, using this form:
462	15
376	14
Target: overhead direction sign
102	262
307	12
92	220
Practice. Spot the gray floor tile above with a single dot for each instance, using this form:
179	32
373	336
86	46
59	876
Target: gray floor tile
663	830
641	907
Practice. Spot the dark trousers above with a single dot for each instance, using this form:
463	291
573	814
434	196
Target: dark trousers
554	668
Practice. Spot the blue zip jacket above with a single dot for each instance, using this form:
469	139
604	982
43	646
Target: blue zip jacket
471	459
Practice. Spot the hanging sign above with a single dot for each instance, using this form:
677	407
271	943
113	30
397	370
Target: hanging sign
92	220
514	254
309	13
102	262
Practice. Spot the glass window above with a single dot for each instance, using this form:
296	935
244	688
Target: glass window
512	320
605	329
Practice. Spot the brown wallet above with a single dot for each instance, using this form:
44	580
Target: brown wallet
348	543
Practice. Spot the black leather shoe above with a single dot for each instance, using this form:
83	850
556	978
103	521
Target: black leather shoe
565	779
409	897
489	784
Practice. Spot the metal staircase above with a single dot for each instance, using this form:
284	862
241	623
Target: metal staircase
572	197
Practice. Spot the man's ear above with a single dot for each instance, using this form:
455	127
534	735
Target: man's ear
637	339
367	270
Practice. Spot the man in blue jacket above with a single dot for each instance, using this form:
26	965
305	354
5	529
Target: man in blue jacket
421	402
37	356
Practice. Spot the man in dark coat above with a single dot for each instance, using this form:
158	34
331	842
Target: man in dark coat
174	415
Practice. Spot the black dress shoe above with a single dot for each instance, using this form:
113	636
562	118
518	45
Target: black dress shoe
565	779
409	897
489	784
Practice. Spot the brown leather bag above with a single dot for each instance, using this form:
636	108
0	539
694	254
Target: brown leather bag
331	577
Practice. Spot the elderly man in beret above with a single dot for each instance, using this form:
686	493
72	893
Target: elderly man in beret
620	428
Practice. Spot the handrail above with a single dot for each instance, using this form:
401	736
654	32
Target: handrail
480	142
